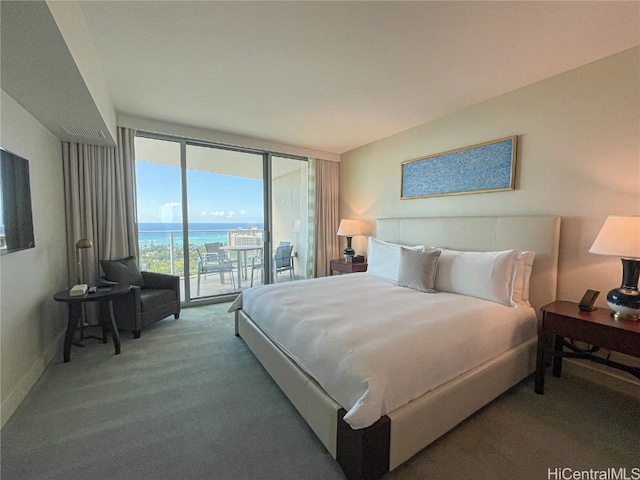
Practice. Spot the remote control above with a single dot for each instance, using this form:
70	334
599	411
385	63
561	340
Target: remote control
93	289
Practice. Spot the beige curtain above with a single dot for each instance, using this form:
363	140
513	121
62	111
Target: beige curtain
326	215
100	203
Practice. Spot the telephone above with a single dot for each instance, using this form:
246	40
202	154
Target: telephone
586	304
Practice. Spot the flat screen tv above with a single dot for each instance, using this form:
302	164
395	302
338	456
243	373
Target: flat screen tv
16	230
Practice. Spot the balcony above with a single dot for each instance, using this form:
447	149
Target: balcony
162	251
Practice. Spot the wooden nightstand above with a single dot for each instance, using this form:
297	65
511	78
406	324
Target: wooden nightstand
341	265
598	328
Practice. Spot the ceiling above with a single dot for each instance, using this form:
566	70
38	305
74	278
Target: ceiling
330	76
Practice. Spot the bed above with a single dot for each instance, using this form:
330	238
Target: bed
372	404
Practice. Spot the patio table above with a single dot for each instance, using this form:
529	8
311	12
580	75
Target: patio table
241	251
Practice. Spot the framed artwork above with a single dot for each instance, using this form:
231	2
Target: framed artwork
485	167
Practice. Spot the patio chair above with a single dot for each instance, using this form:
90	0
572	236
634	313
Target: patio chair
283	261
214	262
214	249
257	263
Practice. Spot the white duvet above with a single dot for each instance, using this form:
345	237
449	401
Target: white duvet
374	346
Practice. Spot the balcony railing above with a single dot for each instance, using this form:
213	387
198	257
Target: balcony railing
162	250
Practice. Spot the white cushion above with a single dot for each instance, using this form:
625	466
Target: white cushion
522	266
486	275
383	258
417	269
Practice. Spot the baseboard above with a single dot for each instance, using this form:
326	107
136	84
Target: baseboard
15	398
602	375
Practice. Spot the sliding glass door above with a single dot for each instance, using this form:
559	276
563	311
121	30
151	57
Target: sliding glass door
290	216
225	195
232	208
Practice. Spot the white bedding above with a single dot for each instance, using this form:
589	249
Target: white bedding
374	346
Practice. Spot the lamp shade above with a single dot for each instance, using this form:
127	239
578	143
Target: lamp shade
619	237
349	228
84	243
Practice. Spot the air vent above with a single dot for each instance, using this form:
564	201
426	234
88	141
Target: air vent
83	131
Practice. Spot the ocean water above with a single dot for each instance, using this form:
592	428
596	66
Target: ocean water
199	233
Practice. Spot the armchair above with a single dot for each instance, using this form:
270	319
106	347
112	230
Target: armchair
154	296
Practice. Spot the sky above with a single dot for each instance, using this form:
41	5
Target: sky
213	198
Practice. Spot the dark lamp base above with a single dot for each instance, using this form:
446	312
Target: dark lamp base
349	252
625	301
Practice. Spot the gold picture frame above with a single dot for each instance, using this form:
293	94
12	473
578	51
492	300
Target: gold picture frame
481	168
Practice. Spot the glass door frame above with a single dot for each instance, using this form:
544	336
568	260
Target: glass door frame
267	162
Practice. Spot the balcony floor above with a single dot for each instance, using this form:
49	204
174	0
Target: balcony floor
211	285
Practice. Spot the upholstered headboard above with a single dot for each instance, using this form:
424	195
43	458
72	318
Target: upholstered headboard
540	234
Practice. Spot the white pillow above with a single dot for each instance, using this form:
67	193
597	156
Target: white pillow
417	269
522	265
383	258
486	275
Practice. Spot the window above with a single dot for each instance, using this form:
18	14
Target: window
229	206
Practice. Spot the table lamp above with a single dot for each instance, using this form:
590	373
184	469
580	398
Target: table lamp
349	229
81	245
620	237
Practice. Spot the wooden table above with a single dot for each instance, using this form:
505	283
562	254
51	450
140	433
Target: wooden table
342	266
562	319
107	320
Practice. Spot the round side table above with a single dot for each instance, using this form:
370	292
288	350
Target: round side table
107	320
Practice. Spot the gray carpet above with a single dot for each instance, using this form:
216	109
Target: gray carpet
189	401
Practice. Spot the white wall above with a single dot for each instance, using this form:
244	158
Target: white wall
31	322
578	157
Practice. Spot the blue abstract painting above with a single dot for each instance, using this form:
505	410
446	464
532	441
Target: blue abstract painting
486	167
